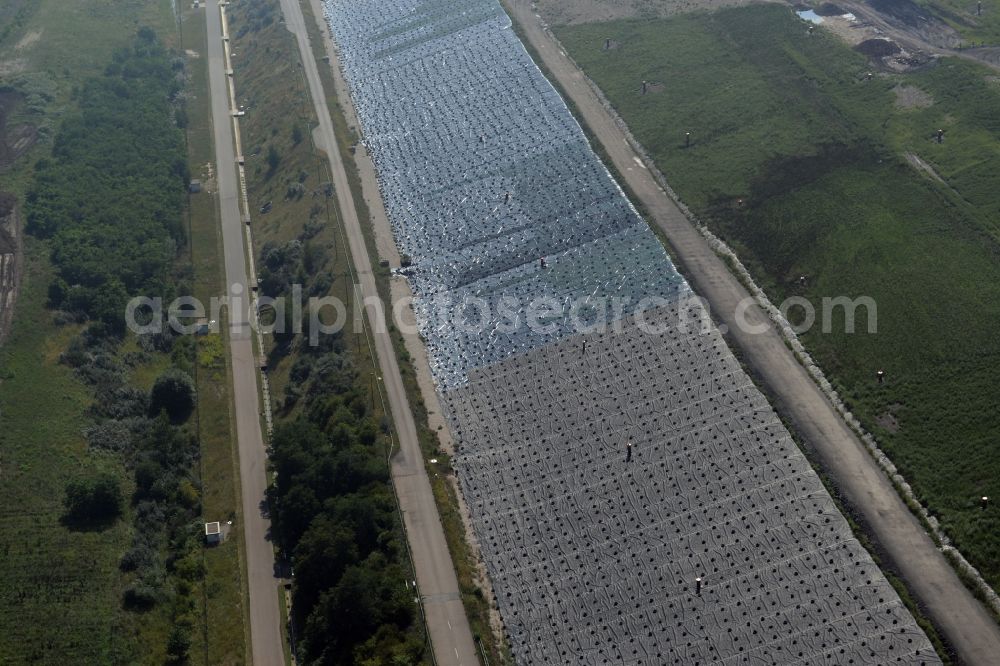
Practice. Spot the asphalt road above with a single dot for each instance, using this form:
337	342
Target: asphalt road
265	613
451	637
962	620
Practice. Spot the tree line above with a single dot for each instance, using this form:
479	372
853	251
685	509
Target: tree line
333	513
110	198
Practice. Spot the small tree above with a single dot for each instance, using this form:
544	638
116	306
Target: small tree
273	159
178	644
94	500
174	393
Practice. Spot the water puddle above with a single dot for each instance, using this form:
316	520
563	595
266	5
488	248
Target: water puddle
810	15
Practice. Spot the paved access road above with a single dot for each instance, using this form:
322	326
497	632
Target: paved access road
451	637
959	616
265	613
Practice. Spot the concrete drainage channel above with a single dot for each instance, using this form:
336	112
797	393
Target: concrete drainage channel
636	499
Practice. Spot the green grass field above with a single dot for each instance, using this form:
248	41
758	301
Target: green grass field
798	160
61	597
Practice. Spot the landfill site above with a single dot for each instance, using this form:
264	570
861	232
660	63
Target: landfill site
635	497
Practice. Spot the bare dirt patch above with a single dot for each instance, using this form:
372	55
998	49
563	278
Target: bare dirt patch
29	39
923	167
909	24
922	35
878	48
863	32
11	67
888	420
911	97
847	27
14	140
571	12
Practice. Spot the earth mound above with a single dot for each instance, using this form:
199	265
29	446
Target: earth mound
878	48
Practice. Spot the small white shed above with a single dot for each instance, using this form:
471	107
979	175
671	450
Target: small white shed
213	533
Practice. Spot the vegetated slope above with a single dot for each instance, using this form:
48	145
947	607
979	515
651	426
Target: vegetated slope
333	513
13	15
979	28
88	447
796	159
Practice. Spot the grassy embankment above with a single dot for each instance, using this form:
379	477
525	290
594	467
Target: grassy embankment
798	161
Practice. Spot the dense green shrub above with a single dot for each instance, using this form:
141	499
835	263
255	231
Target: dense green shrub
94	500
333	513
174	393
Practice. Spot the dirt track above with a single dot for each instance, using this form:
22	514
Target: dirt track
15	140
10	261
963	622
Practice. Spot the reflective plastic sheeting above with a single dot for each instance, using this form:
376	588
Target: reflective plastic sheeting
484	173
